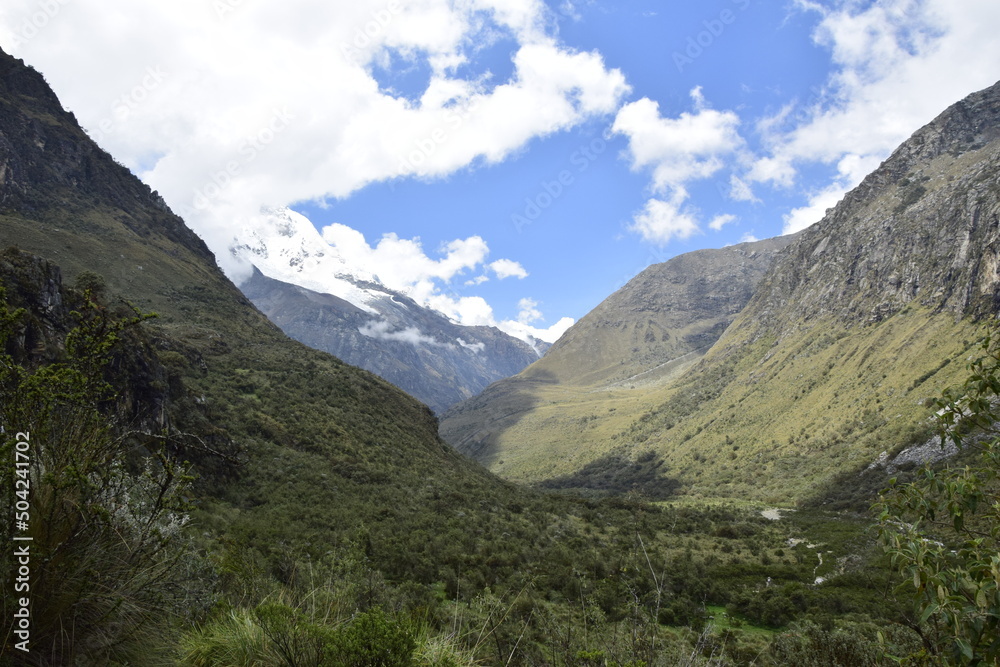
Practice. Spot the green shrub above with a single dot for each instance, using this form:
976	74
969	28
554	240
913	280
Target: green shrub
371	639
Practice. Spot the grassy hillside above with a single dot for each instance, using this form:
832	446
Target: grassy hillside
775	424
645	334
859	321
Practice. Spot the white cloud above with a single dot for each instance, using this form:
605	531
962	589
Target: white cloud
527	332
897	64
475	347
411	335
741	191
804	216
528	312
402	264
662	221
678	151
507	268
720	221
274	104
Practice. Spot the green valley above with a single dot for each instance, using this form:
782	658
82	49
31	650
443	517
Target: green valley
206	491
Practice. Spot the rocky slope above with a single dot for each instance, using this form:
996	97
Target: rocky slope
922	228
670	310
861	320
420	351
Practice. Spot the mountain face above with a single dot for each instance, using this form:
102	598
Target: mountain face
668	311
318	298
827	369
659	323
313	448
921	229
421	352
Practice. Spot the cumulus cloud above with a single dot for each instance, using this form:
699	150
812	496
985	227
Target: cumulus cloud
507	268
677	151
662	221
411	335
530	334
897	64
402	264
528	312
259	103
720	221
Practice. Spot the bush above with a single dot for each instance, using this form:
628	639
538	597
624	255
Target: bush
943	529
371	639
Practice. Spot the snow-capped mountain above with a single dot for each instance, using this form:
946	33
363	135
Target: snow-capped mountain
323	299
284	245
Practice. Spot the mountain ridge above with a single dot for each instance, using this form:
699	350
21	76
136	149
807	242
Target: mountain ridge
950	143
658	324
826	363
431	358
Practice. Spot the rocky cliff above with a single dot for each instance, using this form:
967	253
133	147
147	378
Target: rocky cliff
920	229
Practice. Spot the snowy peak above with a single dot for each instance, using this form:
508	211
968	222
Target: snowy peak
324	299
284	245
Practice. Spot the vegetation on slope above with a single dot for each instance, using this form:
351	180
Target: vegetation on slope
827	367
311	553
327	520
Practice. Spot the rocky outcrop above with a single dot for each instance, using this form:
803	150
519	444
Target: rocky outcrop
924	227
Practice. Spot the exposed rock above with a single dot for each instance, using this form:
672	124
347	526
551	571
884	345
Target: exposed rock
415	348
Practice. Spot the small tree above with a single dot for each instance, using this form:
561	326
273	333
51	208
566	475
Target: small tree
942	530
107	504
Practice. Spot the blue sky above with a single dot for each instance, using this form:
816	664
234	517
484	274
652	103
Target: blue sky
576	141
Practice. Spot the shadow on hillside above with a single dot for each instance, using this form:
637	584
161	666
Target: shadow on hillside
615	474
857	489
474	427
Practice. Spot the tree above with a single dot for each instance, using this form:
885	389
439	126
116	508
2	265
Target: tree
942	530
107	503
